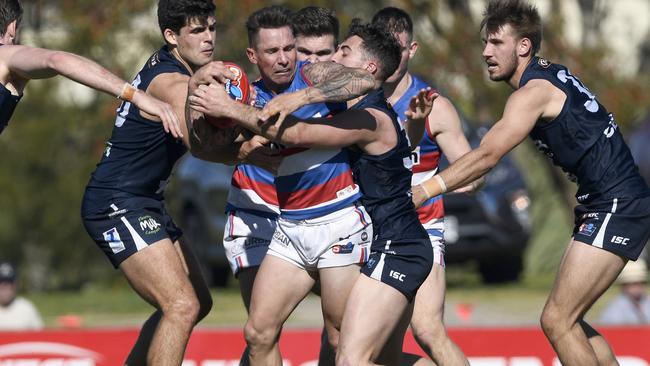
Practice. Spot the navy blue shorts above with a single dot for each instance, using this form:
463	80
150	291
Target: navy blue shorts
126	225
620	226
403	264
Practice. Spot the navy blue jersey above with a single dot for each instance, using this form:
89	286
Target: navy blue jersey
584	140
139	156
385	181
8	103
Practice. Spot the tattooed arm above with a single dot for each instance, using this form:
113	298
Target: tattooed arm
331	82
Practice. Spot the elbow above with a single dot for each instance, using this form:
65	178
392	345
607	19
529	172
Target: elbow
55	60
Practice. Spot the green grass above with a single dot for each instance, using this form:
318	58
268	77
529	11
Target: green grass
511	304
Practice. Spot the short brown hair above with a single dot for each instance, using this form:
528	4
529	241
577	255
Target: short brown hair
521	16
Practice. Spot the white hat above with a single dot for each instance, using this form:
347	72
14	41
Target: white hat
633	272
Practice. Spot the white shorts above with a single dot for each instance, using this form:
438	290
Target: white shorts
334	240
436	231
246	239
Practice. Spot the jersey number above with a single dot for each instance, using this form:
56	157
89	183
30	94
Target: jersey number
123	109
591	104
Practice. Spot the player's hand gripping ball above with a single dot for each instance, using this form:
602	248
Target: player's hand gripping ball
238	89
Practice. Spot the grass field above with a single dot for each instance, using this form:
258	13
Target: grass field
468	303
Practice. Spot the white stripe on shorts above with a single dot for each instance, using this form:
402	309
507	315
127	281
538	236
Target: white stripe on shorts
376	273
139	242
600	237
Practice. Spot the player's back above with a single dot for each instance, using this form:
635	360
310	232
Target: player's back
139	156
584	140
385	182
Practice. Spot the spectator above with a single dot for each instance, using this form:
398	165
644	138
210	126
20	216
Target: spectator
16	312
632	305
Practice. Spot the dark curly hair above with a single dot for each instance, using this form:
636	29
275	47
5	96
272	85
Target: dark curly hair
271	17
175	14
521	16
314	21
10	10
378	45
394	20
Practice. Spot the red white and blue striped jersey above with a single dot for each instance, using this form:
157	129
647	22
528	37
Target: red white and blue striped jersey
425	156
311	182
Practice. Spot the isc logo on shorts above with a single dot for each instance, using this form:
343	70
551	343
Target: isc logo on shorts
620	240
396	275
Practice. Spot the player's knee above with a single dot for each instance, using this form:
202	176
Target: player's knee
553	322
346	359
431	333
259	337
183	310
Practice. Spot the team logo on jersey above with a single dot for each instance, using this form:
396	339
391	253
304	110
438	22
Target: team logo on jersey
587	229
149	225
343	249
364	236
543	63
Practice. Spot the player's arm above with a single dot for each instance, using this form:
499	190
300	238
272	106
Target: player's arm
344	129
330	82
523	109
418	114
38	63
445	126
205	141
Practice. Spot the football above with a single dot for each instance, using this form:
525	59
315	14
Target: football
238	89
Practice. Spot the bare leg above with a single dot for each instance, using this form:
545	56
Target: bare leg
278	289
584	274
335	285
427	322
158	274
372	312
138	354
246	277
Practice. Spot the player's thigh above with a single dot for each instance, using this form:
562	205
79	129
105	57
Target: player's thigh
278	288
430	299
372	312
585	273
246	278
335	286
193	269
157	273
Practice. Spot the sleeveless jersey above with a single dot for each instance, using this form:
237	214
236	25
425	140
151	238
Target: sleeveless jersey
385	181
584	140
140	155
425	156
8	103
310	182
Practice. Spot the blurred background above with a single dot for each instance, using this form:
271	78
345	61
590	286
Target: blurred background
523	218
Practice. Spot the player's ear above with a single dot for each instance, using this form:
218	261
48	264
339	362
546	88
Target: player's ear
413	48
371	67
252	56
524	47
170	37
10	32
